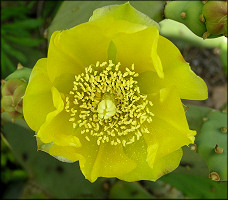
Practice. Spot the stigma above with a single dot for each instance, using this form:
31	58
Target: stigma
106	105
106	108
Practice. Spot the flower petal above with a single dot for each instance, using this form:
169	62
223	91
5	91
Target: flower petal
67	152
177	72
96	161
111	26
64	82
37	101
111	161
122	12
167	164
169	129
137	151
57	127
70	51
139	48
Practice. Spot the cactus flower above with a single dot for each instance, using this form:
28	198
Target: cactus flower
109	96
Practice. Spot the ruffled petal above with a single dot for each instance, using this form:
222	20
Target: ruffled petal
169	129
166	164
110	26
111	161
96	161
68	152
57	127
70	51
137	151
37	101
139	49
106	17
177	72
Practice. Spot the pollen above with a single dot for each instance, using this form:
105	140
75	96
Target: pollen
107	106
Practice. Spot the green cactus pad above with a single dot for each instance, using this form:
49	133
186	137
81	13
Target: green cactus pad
211	134
197	17
193	9
211	129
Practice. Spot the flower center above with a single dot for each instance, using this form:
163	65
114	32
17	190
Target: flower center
106	108
106	104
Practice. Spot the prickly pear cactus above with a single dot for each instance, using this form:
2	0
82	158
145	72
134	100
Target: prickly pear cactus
212	144
207	19
211	140
13	89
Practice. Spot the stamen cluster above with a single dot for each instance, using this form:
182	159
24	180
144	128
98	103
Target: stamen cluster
129	112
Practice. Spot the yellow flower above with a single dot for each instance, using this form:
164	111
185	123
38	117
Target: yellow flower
108	94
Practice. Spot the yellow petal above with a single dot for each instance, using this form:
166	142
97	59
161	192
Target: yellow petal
126	12
57	127
169	129
59	130
64	82
37	101
110	26
139	48
167	164
111	161
68	152
70	51
137	152
96	161
177	72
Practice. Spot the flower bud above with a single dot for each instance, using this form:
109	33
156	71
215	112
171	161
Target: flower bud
13	90
215	14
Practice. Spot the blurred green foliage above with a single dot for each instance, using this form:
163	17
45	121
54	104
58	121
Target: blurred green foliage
15	34
8	162
21	39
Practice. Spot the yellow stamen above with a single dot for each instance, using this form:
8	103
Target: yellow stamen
106	103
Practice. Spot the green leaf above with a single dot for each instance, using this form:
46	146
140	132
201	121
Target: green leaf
7	65
15	31
25	24
31	42
13	12
13	52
